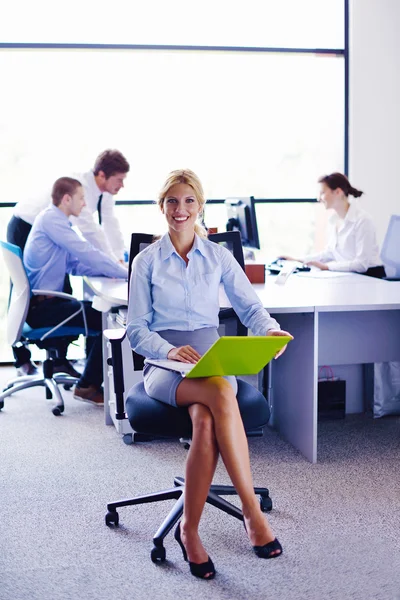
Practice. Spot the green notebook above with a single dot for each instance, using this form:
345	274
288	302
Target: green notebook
229	355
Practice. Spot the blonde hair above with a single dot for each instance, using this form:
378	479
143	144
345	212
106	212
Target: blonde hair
187	177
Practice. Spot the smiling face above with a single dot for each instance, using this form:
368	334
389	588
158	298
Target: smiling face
327	196
181	208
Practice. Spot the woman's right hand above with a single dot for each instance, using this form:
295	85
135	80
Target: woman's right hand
285	257
185	354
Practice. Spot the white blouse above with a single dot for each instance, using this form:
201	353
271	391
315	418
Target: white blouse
352	244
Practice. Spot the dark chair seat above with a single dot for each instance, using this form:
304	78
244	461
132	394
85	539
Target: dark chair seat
151	417
34	335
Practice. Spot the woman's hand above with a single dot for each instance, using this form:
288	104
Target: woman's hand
317	263
286	257
185	354
277	332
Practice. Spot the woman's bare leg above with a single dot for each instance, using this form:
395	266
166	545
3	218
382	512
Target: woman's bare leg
200	468
217	394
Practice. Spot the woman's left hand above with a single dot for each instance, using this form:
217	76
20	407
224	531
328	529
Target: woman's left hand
281	332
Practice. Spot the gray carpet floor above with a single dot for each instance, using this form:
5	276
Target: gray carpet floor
338	520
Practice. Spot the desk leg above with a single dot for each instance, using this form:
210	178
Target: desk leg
294	384
106	385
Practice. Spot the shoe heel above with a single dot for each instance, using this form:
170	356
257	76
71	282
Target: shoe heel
197	570
177	536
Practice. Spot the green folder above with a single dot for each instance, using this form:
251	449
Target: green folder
229	355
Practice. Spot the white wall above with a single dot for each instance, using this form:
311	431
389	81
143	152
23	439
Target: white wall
374	136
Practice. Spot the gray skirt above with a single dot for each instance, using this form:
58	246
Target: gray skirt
161	384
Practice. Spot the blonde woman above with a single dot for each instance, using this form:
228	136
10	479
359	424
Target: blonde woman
174	314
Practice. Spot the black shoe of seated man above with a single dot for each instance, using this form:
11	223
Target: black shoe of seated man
28	368
91	394
62	365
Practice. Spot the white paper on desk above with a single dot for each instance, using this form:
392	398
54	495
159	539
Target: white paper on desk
101	305
318	274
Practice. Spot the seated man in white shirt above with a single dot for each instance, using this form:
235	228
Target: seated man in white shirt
53	249
97	222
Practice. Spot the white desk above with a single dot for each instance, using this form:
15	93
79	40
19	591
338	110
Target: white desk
351	319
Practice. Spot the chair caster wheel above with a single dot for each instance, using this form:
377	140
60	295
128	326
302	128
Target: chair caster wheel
265	503
57	410
67	387
127	439
112	518
157	554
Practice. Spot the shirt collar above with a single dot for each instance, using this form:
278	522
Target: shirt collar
167	247
93	184
199	245
59	213
351	215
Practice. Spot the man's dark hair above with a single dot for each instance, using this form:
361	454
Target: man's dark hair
64	185
111	162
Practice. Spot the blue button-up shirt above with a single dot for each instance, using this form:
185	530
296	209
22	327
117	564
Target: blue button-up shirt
53	249
165	293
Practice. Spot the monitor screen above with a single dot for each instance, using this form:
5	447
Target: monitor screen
241	213
391	245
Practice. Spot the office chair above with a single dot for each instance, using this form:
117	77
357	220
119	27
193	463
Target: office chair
44	337
148	416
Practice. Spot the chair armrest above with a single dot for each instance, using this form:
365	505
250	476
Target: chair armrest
115	335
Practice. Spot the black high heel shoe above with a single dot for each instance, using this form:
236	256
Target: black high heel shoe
267	550
197	569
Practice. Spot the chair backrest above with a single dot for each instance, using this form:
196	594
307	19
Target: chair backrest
139	241
390	253
232	240
21	292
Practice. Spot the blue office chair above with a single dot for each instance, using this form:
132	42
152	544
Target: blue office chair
18	331
149	417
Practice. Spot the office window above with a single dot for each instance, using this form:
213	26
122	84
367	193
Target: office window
266	125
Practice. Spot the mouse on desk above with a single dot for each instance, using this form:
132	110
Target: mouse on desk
276	266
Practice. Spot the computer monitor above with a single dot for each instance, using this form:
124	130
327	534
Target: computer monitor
390	253
241	213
